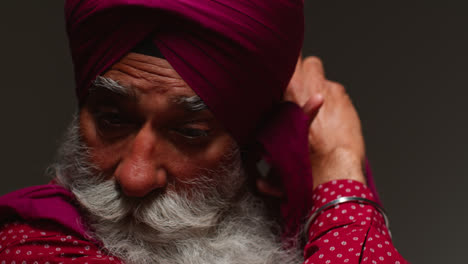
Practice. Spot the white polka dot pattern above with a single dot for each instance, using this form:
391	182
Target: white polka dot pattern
41	243
349	232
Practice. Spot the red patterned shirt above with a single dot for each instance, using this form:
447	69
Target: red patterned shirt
345	233
44	243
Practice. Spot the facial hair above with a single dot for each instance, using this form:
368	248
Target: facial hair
213	219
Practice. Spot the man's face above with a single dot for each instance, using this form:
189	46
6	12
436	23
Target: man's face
143	129
149	128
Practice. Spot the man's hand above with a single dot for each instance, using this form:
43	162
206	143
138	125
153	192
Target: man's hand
335	138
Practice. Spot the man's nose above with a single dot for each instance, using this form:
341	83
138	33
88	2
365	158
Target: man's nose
140	171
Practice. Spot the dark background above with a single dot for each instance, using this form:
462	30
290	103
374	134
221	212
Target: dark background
403	64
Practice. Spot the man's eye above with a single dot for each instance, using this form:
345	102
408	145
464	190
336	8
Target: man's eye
110	119
112	125
192	133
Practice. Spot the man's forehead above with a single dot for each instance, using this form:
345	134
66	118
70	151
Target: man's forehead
147	74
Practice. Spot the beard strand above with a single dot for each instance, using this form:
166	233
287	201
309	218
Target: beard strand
212	220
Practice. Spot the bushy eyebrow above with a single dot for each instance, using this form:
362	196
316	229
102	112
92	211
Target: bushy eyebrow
113	86
191	103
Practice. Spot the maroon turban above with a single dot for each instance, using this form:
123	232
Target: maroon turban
237	55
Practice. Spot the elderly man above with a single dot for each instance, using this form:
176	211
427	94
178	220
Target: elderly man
179	101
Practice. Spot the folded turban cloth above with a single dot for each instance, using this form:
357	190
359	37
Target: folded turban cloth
237	55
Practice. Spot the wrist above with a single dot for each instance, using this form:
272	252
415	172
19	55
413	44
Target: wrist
338	164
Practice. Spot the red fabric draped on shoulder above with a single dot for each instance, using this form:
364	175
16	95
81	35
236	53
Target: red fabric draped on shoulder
45	202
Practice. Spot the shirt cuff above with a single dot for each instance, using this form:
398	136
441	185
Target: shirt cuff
333	190
342	214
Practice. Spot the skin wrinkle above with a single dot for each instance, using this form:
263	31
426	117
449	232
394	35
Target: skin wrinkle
164	65
150	72
157	84
157	61
161	75
163	68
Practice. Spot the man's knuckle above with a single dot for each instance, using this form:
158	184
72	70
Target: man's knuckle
337	86
313	61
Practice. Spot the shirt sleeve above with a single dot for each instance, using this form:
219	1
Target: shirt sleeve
45	243
349	232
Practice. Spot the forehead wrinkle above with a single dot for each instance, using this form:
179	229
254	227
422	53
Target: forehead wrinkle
158	80
150	77
150	84
145	82
145	59
154	65
151	69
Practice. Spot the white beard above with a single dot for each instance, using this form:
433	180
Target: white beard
216	221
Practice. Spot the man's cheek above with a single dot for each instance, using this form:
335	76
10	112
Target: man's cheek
106	157
219	151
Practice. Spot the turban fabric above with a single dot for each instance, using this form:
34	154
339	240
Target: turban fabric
237	55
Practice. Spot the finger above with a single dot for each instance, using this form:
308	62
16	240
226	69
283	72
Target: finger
268	189
337	87
313	105
314	65
314	75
